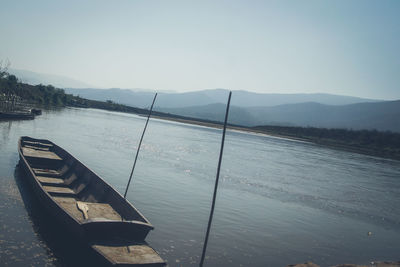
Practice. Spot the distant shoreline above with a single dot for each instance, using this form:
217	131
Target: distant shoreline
272	131
230	127
370	142
327	143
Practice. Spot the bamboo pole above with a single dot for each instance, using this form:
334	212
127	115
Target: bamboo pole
216	182
140	143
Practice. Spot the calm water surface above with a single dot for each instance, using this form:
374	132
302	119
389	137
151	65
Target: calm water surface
279	201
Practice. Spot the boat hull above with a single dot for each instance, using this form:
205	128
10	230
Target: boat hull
108	224
16	116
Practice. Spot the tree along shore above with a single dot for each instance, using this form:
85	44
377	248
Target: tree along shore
372	142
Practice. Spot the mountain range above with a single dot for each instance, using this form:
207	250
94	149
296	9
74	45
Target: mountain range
141	98
253	109
383	116
247	108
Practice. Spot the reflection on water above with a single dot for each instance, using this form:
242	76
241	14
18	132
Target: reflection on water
5	128
20	245
279	201
59	249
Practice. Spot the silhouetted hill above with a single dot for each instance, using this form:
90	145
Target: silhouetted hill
382	116
251	109
249	99
214	112
142	98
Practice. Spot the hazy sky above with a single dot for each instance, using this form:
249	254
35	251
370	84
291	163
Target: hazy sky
342	47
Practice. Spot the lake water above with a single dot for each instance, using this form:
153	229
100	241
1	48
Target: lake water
279	201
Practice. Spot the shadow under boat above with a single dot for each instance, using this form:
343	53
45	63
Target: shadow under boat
66	250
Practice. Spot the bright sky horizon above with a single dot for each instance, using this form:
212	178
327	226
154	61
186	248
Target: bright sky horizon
336	47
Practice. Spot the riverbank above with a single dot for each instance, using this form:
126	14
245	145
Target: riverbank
278	131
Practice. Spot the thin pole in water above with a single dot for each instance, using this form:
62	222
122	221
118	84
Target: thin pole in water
216	182
140	143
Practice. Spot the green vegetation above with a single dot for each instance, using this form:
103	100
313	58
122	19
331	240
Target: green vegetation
386	144
46	95
12	90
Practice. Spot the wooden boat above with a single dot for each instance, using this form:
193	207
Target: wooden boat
86	205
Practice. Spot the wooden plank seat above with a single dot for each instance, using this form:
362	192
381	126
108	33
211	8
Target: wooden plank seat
42	154
50	181
53	181
51	172
57	190
64	190
47	172
69	204
95	210
37	144
38	148
102	210
121	255
103	221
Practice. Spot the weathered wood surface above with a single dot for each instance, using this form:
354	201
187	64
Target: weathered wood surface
95	210
131	254
39	153
50	180
87	205
59	190
38	143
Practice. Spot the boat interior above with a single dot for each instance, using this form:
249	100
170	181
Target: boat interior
93	203
75	187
